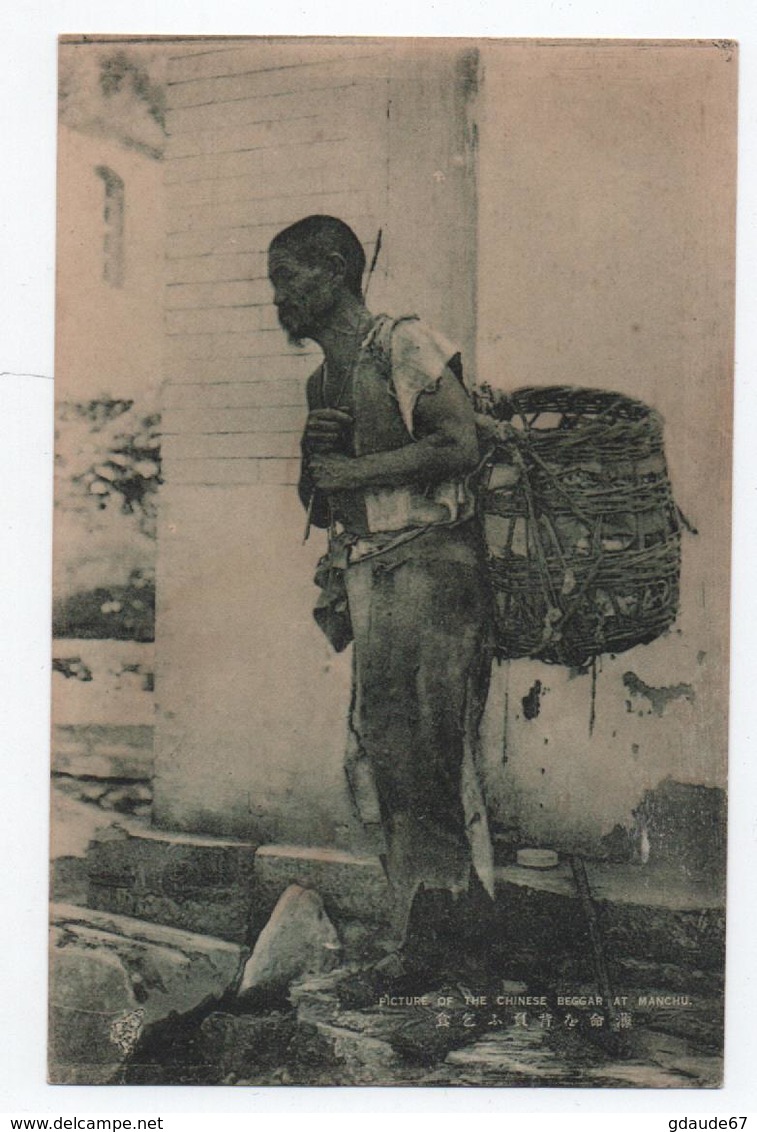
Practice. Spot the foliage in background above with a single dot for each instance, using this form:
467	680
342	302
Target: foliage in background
107	471
117	613
109	457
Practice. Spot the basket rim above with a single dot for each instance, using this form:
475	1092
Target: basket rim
573	392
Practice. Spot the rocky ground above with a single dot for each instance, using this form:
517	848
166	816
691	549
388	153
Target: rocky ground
319	1039
101	772
323	1029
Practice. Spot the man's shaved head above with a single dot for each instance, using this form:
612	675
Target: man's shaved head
313	239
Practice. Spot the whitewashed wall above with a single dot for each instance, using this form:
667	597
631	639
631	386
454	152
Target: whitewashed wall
566	223
607	215
252	703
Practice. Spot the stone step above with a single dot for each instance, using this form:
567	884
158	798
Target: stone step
350	886
228	888
648	886
113	976
198	884
649	915
225	887
654	916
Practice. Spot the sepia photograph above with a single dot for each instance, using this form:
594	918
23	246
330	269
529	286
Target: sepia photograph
391	583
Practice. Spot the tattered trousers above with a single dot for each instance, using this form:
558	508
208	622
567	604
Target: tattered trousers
421	620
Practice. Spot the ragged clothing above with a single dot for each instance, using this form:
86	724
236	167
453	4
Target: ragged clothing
410	561
422	657
399	360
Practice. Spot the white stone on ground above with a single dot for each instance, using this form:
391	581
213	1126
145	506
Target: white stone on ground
299	939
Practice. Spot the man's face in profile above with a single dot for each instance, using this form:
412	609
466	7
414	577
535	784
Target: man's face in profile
304	295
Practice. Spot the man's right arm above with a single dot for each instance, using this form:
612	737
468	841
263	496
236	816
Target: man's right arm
325	433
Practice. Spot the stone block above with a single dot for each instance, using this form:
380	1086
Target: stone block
350	886
645	915
298	939
198	884
112	976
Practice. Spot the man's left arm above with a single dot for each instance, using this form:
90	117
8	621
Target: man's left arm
446	447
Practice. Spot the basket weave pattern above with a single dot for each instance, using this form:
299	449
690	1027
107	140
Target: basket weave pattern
585	544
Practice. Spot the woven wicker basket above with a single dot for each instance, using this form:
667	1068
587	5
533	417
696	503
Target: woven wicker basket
583	534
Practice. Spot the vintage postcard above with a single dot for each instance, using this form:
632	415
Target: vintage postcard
392	540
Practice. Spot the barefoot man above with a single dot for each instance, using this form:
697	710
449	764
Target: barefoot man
387	452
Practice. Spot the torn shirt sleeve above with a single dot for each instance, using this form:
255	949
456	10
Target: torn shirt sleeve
420	356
